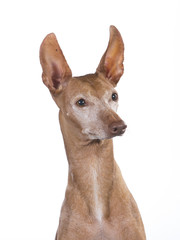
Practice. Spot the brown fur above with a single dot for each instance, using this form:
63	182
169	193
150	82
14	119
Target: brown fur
98	204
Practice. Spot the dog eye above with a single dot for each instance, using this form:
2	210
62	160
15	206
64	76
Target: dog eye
81	102
114	97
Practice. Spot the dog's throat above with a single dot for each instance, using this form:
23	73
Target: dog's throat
91	174
96	195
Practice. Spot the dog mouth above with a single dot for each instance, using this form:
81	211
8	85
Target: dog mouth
122	132
95	136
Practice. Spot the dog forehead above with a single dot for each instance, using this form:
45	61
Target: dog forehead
89	84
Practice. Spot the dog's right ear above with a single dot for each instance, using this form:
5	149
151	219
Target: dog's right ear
111	64
56	71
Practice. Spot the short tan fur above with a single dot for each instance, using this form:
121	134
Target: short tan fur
98	204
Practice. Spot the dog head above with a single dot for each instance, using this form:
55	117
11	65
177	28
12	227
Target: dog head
88	104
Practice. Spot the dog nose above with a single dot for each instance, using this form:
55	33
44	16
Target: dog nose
117	128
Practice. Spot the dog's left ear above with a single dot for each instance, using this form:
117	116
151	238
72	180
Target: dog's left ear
111	64
56	71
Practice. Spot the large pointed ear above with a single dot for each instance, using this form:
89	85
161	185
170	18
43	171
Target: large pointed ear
111	64
56	71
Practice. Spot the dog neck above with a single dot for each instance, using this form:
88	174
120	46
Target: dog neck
91	170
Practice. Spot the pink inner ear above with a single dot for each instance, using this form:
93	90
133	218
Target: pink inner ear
56	76
56	82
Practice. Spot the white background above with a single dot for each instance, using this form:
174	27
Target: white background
33	165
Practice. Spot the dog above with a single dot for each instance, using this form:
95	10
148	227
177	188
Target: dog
98	204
